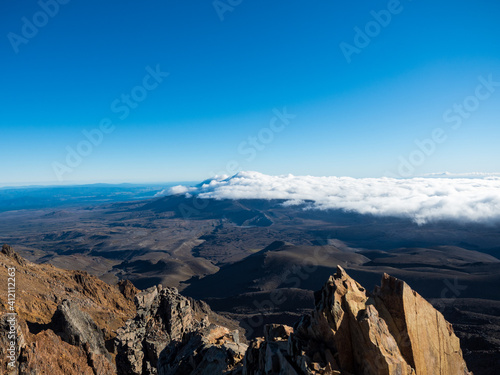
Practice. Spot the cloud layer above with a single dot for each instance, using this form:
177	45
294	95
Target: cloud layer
420	199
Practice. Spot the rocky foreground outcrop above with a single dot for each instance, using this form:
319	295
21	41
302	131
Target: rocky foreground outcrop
390	331
68	323
65	319
172	334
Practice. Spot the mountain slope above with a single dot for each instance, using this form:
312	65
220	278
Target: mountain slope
45	339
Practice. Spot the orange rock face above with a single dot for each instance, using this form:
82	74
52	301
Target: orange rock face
388	332
426	339
40	289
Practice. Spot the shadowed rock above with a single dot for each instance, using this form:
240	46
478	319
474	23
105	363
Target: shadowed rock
128	289
392	331
77	328
209	350
167	319
9	251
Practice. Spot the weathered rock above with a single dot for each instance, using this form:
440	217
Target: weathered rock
128	289
9	252
392	331
277	332
426	339
48	354
40	290
209	350
12	341
77	328
268	355
165	318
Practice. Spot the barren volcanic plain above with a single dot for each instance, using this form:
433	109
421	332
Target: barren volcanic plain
258	261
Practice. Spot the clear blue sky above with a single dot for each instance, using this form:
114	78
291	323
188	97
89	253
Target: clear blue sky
226	77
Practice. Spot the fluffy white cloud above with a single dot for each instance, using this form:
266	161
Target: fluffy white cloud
175	190
181	189
421	199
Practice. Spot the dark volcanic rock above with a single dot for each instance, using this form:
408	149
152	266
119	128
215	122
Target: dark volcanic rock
209	350
77	328
165	317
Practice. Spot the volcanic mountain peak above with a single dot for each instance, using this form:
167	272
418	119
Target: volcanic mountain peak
276	245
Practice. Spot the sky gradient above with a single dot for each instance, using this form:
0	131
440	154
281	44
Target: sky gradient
182	90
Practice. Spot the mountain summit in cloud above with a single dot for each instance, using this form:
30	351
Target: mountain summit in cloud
421	199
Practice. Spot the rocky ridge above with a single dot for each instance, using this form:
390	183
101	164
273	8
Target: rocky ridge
176	335
65	320
390	331
72	323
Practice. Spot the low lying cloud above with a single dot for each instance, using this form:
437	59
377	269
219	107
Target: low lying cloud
421	199
464	175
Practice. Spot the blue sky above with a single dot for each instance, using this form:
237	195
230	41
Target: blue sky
229	77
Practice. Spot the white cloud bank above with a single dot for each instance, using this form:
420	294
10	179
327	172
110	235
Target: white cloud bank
421	199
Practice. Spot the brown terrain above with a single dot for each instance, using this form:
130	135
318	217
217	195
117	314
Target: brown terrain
70	322
46	297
